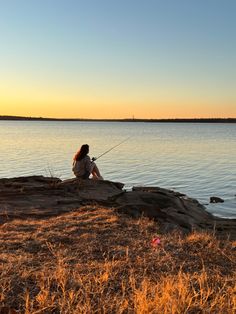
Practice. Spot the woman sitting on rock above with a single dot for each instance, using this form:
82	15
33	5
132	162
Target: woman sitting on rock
83	166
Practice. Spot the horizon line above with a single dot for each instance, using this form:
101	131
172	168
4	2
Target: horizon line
9	117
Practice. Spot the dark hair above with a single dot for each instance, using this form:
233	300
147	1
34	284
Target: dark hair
84	149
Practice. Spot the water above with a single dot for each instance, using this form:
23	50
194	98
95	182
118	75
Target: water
197	159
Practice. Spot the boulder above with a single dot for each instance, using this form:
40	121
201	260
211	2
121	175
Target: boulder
173	210
92	190
164	205
215	199
40	197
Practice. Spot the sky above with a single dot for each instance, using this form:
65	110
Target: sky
118	59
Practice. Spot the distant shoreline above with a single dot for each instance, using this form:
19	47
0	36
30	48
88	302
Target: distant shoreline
188	120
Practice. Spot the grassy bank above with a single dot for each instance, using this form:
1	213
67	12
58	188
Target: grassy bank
96	261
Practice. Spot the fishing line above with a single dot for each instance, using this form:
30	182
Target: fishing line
95	158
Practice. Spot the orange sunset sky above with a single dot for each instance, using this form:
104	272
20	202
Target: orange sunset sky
118	59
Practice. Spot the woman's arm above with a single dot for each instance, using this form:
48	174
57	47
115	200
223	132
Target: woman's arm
88	164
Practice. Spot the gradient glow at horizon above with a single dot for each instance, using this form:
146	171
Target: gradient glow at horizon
118	59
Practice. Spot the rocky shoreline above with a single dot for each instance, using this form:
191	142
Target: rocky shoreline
42	197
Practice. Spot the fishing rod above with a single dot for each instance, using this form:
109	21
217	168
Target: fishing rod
95	158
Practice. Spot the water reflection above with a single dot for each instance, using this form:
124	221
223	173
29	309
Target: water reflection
196	159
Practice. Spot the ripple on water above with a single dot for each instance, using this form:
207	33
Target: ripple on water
195	159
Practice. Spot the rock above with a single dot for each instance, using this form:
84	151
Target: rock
98	190
173	209
42	197
165	206
215	199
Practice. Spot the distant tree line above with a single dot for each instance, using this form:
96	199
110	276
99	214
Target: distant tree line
192	120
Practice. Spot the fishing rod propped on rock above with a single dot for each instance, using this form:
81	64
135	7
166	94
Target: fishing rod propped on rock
95	158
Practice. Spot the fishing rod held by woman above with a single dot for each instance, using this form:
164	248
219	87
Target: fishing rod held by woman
83	166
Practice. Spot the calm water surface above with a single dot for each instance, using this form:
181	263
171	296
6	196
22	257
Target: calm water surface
197	159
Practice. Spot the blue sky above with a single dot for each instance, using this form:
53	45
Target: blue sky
80	58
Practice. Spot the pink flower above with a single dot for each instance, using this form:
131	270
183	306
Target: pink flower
155	241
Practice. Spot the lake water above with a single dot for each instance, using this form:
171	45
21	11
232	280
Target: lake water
198	159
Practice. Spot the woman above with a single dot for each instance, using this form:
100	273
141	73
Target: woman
83	166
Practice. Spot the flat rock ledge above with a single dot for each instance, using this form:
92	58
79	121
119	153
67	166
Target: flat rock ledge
42	197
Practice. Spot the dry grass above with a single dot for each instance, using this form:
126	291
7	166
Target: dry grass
96	261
